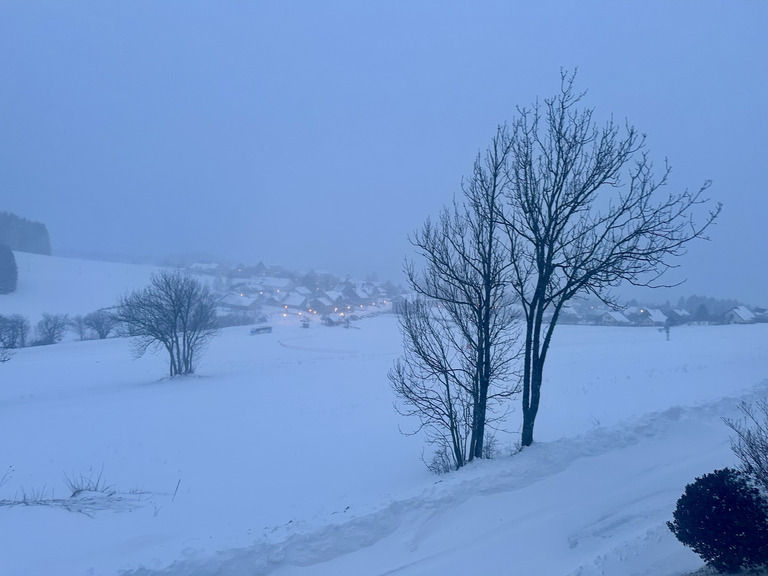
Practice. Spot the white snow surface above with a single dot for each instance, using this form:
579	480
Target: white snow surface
69	286
283	454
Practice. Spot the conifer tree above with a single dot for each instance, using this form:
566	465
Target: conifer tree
9	272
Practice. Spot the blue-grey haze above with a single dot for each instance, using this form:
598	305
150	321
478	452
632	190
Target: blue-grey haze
320	134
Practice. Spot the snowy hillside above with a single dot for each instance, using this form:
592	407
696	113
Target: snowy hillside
282	455
69	286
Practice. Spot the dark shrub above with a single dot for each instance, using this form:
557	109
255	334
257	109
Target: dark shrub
724	520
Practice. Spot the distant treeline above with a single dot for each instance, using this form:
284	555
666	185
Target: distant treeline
24	235
713	306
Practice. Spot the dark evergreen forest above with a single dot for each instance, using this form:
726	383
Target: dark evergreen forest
24	235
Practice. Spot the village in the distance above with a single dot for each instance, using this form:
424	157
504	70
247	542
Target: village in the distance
263	294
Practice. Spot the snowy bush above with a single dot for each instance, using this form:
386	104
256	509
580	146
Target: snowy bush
724	519
491	446
441	462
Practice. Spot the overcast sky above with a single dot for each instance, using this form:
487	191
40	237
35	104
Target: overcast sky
320	134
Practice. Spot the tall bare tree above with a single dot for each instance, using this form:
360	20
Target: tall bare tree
584	213
175	312
459	337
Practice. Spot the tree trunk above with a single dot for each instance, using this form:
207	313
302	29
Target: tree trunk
531	394
480	433
476	425
529	414
527	436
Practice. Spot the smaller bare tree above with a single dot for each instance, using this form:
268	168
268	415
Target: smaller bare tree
51	329
460	337
430	387
78	327
14	331
102	322
175	312
7	335
751	442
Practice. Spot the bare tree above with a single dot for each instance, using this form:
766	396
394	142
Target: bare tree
14	331
751	442
428	384
459	337
51	329
175	312
102	322
584	213
78	327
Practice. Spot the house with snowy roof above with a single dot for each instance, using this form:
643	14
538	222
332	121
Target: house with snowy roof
322	304
295	301
275	284
654	317
739	315
646	316
614	318
336	297
303	291
239	302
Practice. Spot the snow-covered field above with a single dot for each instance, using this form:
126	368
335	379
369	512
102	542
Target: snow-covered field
69	286
282	455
